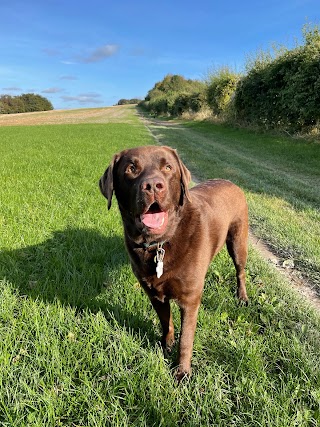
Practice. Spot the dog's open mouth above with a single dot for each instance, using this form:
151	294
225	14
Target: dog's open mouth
155	218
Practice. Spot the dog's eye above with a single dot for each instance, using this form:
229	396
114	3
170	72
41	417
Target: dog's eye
131	168
168	168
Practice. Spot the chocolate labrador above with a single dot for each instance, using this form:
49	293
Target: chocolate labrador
172	233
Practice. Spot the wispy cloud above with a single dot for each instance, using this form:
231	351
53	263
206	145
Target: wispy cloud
12	89
84	98
51	52
68	78
100	53
68	56
91	94
53	90
68	62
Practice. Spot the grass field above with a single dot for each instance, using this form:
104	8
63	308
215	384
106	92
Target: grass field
78	338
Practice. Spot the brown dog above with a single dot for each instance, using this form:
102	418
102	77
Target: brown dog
172	233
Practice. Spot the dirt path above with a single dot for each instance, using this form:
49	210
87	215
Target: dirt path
287	270
296	280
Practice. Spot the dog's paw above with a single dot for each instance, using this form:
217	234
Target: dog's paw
243	303
167	344
182	375
243	298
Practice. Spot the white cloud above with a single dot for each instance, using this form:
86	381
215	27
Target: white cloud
83	98
12	89
90	94
53	90
101	53
68	78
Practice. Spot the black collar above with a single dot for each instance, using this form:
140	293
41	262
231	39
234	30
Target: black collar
152	245
148	246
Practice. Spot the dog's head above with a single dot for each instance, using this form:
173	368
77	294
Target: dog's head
150	184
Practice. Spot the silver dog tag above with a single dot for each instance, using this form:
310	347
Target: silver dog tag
159	269
159	260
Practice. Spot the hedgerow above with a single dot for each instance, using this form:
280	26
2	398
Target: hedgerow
221	85
280	90
283	90
175	95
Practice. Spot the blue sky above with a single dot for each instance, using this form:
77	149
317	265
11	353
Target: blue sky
82	54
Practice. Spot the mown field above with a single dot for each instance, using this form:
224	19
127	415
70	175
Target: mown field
78	338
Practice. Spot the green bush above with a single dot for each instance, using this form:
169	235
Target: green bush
192	103
198	101
128	101
283	91
158	105
181	104
175	95
221	87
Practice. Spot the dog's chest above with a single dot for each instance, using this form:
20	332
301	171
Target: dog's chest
159	291
156	287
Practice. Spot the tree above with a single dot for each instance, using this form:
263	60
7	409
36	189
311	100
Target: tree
34	102
128	101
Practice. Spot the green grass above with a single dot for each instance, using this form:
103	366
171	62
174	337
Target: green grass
78	338
280	176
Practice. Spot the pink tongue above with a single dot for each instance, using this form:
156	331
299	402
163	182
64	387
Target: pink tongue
153	220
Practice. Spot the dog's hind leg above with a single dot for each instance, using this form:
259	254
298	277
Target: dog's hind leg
237	245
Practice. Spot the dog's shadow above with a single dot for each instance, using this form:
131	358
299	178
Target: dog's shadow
78	268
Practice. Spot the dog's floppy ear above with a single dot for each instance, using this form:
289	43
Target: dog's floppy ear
106	181
185	177
185	181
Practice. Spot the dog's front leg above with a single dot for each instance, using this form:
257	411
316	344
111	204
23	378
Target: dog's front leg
189	315
164	313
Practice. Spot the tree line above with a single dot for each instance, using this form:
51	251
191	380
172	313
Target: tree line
128	101
25	103
279	90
